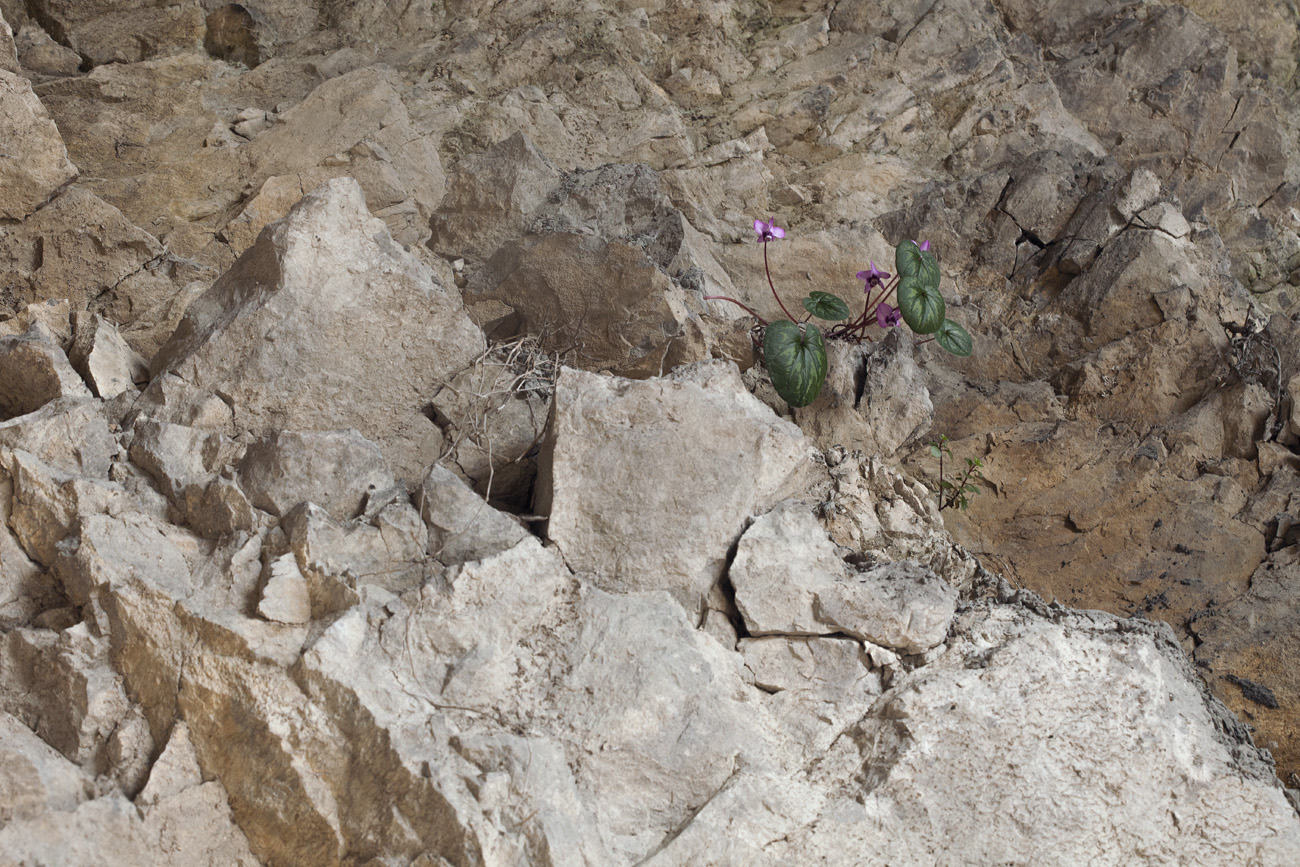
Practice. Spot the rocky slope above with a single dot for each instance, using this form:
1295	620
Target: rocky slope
378	485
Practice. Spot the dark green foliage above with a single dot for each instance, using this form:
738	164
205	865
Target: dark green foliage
796	361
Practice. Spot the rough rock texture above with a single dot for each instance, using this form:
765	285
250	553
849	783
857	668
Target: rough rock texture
647	486
288	604
309	304
35	163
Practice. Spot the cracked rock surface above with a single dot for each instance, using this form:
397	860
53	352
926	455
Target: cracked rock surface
382	483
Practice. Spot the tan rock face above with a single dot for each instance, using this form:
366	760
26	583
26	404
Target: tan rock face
327	278
272	611
35	164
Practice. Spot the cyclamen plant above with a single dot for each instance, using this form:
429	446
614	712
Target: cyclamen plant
795	350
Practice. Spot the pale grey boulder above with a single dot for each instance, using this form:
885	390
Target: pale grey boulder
326	300
515	693
334	469
36	164
104	359
790	580
44	434
1104	737
34	371
646	485
461	525
62	684
286	597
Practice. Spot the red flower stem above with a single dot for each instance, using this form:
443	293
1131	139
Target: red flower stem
768	271
923	342
737	303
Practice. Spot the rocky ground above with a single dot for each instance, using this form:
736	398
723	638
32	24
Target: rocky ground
379	487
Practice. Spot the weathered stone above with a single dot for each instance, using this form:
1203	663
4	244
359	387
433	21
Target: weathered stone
103	358
462	526
8	51
41	54
45	434
36	163
81	248
237	34
874	398
130	35
1018	671
330	286
334	469
285	598
790	580
1248	650
33	372
60	684
646	485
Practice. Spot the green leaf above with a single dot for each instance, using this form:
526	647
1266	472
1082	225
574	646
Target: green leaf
826	306
934	450
954	339
921	305
912	261
796	361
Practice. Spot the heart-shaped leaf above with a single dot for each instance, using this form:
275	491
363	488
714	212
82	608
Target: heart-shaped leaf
954	339
826	306
921	305
796	361
911	261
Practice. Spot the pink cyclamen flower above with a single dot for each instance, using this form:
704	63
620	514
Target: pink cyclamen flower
888	317
874	277
924	245
768	231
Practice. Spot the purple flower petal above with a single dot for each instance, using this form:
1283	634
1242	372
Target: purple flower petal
874	277
887	316
924	245
768	231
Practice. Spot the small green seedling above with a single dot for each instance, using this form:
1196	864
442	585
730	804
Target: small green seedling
956	493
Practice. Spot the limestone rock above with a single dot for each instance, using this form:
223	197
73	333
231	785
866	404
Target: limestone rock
646	485
285	598
334	469
462	526
81	248
34	371
41	54
1017	671
8	51
44	434
789	580
874	398
330	287
36	163
1248	650
104	359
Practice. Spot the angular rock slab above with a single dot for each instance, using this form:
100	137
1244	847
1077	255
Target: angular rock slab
35	163
324	323
789	580
34	371
1065	737
517	712
334	469
1250	652
647	484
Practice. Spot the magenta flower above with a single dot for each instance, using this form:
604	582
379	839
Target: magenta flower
874	277
924	245
768	231
888	317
